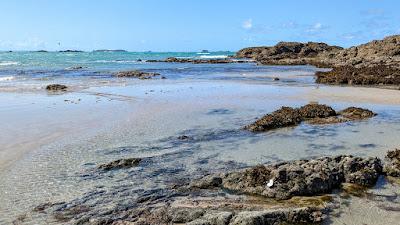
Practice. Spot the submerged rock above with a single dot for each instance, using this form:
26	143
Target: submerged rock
392	163
136	74
56	87
312	113
298	178
120	163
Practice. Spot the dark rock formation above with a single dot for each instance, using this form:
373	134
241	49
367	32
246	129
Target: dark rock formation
137	74
120	163
312	113
371	75
378	52
284	117
56	87
70	51
75	68
193	216
200	61
298	178
392	163
355	113
374	63
286	53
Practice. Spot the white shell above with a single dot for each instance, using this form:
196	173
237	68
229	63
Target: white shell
270	183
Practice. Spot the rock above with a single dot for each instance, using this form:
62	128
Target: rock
277	217
75	68
185	215
120	163
355	113
374	63
70	51
286	52
136	74
184	137
199	61
300	177
392	163
56	87
350	75
284	117
312	113
207	182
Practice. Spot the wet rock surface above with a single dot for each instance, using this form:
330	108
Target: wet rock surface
355	113
136	74
312	113
284	117
120	163
200	61
350	75
56	87
290	192
298	178
392	163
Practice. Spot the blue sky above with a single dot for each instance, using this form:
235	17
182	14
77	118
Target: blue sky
185	25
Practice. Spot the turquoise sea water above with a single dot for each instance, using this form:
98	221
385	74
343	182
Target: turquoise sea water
62	60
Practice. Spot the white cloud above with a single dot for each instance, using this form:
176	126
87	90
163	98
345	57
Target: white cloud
247	24
317	26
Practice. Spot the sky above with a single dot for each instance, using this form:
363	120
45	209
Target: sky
189	25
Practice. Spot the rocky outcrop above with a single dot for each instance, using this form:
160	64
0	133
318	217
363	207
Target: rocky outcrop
120	163
374	63
298	178
378	52
284	117
136	74
312	113
70	51
287	53
200	61
356	113
392	163
56	87
370	75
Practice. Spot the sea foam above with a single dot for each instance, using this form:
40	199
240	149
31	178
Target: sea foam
8	63
213	56
8	78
